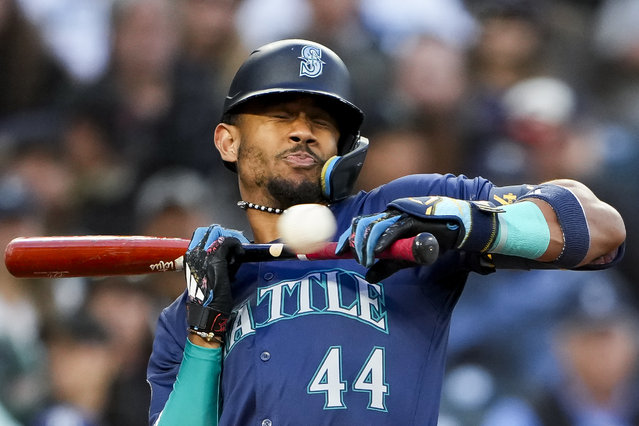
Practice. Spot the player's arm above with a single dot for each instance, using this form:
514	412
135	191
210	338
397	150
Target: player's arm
176	366
209	265
194	399
558	224
603	228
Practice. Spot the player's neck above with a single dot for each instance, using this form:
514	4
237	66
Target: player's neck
264	225
261	212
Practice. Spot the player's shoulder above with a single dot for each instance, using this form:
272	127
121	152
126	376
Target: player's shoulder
419	185
450	185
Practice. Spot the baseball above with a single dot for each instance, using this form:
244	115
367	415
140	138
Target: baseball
305	228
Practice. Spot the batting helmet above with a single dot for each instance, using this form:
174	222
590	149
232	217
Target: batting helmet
299	66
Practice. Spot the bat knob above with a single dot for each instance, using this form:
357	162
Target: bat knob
425	248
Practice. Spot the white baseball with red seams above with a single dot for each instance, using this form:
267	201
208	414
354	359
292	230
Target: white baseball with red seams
305	228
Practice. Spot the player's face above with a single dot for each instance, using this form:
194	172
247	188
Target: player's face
283	147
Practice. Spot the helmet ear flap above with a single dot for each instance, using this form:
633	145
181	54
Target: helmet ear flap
340	172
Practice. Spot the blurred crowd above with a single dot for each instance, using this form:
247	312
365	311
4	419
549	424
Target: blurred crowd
107	109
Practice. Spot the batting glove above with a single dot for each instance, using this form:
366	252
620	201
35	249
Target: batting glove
211	262
456	224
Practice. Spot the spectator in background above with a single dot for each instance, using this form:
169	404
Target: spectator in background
21	306
446	20
136	94
561	133
522	38
32	83
40	164
262	21
159	112
511	44
597	346
510	47
616	48
103	181
544	121
538	116
125	310
409	150
428	86
76	32
208	37
30	78
81	369
502	333
151	110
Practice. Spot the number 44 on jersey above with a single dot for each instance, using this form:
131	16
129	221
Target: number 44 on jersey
371	379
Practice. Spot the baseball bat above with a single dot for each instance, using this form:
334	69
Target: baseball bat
104	255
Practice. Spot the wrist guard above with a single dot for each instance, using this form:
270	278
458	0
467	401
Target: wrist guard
205	318
572	220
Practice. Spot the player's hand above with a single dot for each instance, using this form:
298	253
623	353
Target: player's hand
457	224
210	265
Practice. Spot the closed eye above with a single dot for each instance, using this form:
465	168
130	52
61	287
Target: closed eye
279	115
322	123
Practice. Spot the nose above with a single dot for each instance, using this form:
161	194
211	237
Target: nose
302	130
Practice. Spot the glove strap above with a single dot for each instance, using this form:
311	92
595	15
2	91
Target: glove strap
205	319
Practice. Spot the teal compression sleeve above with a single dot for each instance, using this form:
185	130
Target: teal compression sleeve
194	400
522	232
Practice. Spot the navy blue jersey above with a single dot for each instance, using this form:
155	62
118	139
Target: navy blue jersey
314	343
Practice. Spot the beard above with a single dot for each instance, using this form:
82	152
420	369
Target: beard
288	193
283	192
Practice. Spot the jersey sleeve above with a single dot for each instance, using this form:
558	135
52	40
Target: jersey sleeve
448	185
167	354
200	370
377	200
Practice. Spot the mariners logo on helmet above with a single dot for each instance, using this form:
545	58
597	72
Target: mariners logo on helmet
312	64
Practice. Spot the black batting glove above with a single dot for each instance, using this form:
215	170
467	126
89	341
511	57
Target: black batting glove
211	262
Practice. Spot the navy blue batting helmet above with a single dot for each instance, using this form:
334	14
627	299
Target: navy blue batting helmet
299	66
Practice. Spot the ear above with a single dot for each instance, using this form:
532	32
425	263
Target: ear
227	141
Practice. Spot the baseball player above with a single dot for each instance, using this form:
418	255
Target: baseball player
342	342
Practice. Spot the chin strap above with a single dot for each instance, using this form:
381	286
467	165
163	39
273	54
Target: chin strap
340	172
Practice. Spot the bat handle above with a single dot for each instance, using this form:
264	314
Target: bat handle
422	249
